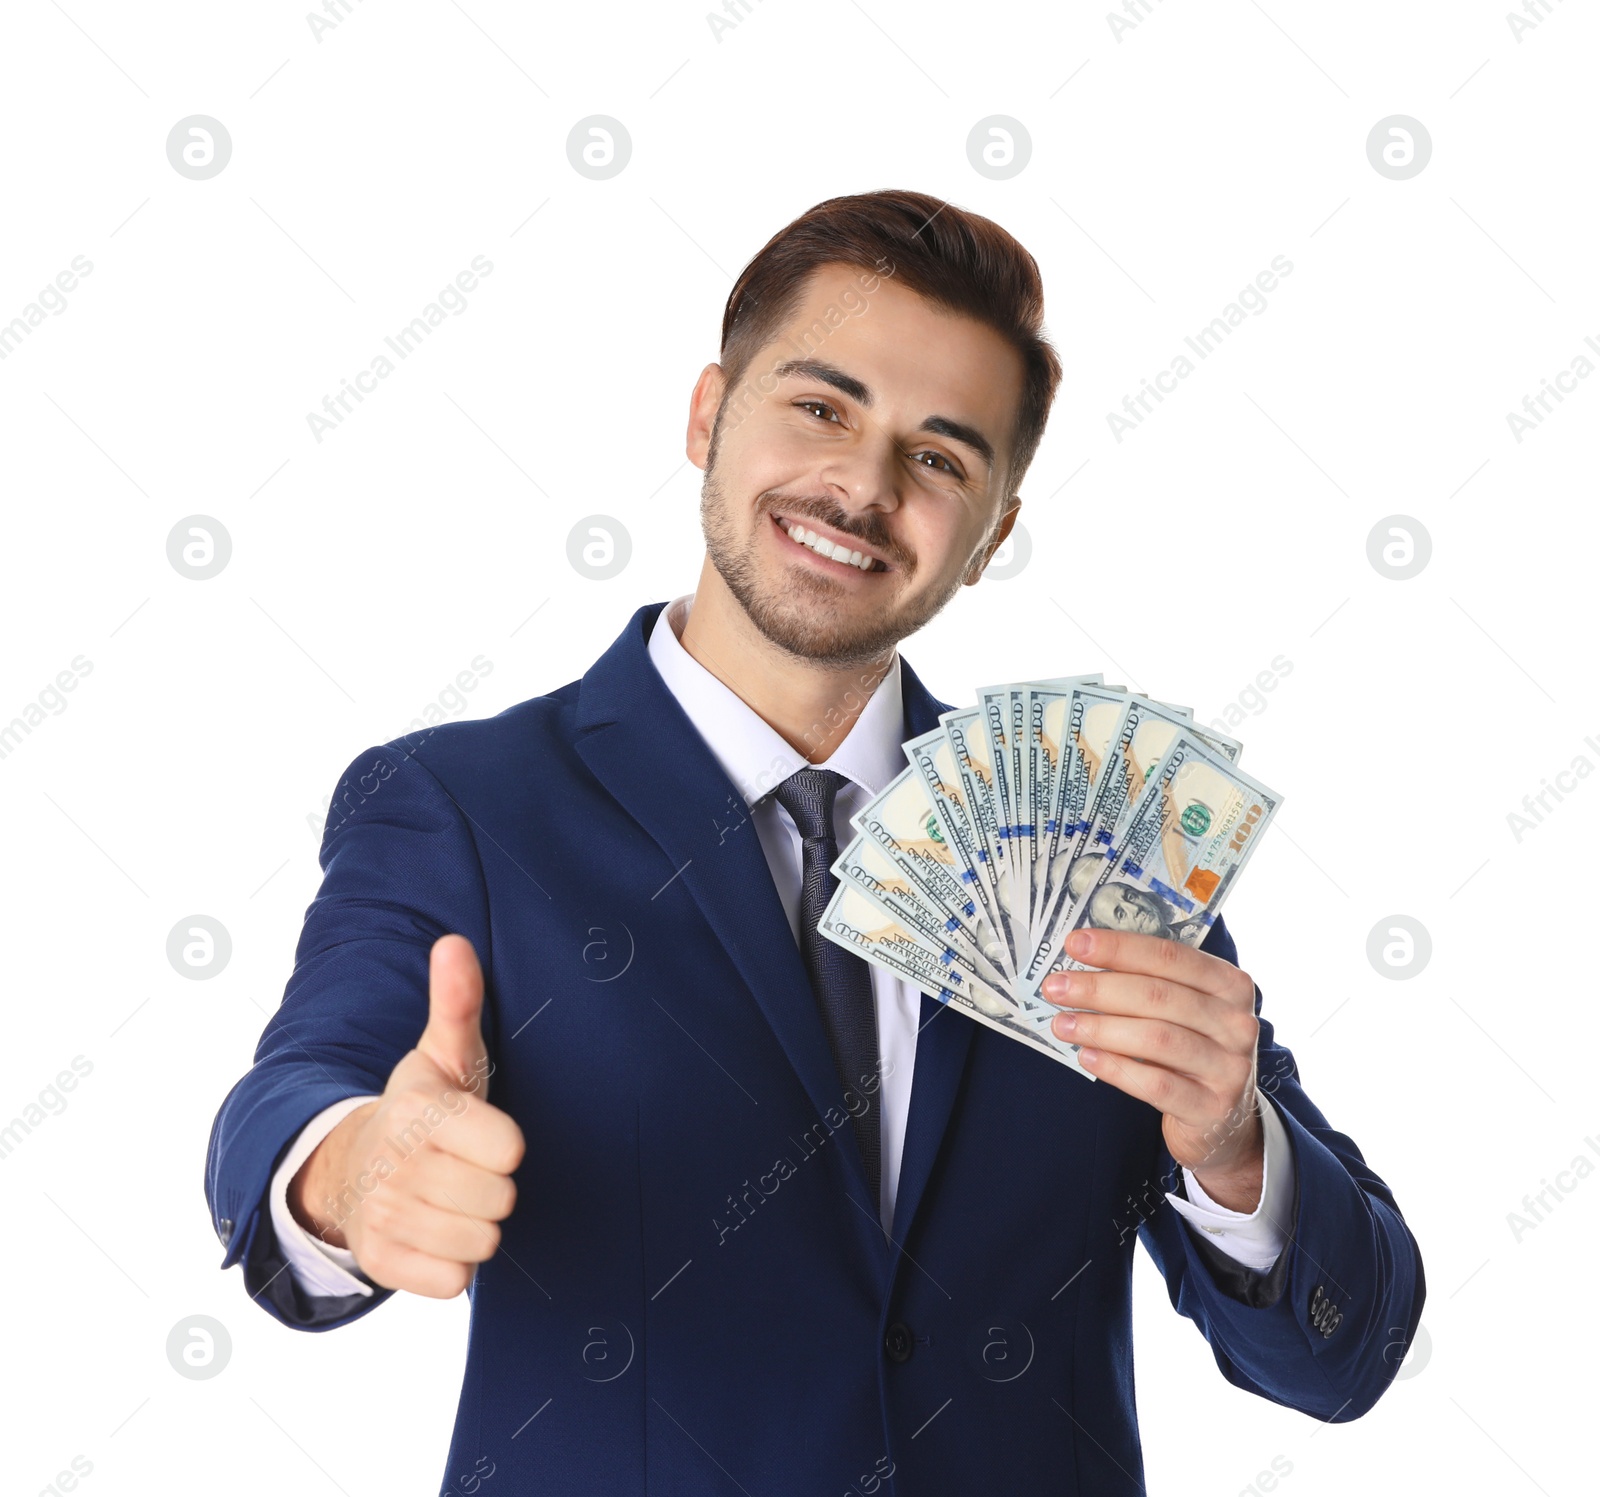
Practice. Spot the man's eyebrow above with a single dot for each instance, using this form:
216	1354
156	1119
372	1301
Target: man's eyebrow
827	374
847	384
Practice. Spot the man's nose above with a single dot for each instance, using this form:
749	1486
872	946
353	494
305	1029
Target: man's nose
868	474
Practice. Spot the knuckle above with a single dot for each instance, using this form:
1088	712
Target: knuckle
413	1099
374	1262
381	1213
511	1154
488	1242
1239	1032
1156	993
506	1201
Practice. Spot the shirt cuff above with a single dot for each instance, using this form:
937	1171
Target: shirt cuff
1256	1239
320	1268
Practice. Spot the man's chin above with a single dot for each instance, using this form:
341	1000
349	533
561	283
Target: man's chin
811	635
811	620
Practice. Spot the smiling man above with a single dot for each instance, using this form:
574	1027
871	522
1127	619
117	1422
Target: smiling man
744	1213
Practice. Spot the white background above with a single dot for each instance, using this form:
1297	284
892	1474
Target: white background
188	769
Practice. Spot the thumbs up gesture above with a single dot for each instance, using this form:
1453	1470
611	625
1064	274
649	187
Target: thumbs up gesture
415	1182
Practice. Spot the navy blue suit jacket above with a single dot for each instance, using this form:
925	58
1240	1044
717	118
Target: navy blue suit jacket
694	1292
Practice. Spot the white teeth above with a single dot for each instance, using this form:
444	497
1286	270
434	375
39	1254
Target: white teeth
827	548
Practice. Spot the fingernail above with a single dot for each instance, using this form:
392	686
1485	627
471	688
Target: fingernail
1066	1023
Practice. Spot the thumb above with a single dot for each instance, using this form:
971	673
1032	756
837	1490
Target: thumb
453	1039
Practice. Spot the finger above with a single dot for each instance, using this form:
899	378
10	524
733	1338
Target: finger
480	1134
1155	1040
408	1222
1233	1028
1132	993
391	1266
453	1038
1156	956
453	1184
1166	1091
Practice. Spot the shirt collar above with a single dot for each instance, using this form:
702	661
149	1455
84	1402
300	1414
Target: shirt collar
751	752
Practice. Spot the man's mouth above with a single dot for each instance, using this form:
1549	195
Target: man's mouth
846	551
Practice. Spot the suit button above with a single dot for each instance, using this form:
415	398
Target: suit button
225	1230
897	1342
1325	1315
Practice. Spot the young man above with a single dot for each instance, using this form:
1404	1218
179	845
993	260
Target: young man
561	1030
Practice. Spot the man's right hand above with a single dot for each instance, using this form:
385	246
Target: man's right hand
414	1182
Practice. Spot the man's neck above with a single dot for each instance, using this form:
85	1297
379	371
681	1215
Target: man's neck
811	706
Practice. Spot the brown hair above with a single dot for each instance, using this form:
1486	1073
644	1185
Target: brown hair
960	261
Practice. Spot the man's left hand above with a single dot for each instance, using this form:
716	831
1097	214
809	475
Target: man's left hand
1174	1027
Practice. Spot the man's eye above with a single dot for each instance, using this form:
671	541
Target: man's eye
949	467
818	405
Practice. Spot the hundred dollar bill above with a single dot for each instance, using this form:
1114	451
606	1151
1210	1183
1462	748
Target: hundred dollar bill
1044	717
972	752
952	795
1175	707
1007	716
870	868
857	923
1152	727
901	823
1144	732
1181	849
1081	723
996	707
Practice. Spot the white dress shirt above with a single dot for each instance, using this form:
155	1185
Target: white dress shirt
756	759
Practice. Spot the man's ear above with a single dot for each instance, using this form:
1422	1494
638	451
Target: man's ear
704	403
1007	519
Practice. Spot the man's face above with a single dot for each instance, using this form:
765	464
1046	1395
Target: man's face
1119	907
1083	872
882	426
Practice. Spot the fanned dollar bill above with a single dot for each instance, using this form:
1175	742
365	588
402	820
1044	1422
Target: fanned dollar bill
938	764
860	924
868	866
1085	722
1143	733
1049	805
1176	857
905	827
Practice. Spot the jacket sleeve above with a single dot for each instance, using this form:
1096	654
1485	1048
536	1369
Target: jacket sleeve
1324	1330
400	869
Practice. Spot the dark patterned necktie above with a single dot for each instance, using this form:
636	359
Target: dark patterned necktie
841	980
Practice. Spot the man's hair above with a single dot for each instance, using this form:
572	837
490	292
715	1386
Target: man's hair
961	262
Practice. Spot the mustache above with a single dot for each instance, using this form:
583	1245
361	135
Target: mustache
868	527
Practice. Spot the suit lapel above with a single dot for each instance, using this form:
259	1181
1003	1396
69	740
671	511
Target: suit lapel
642	747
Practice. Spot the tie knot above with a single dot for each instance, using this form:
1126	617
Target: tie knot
807	795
